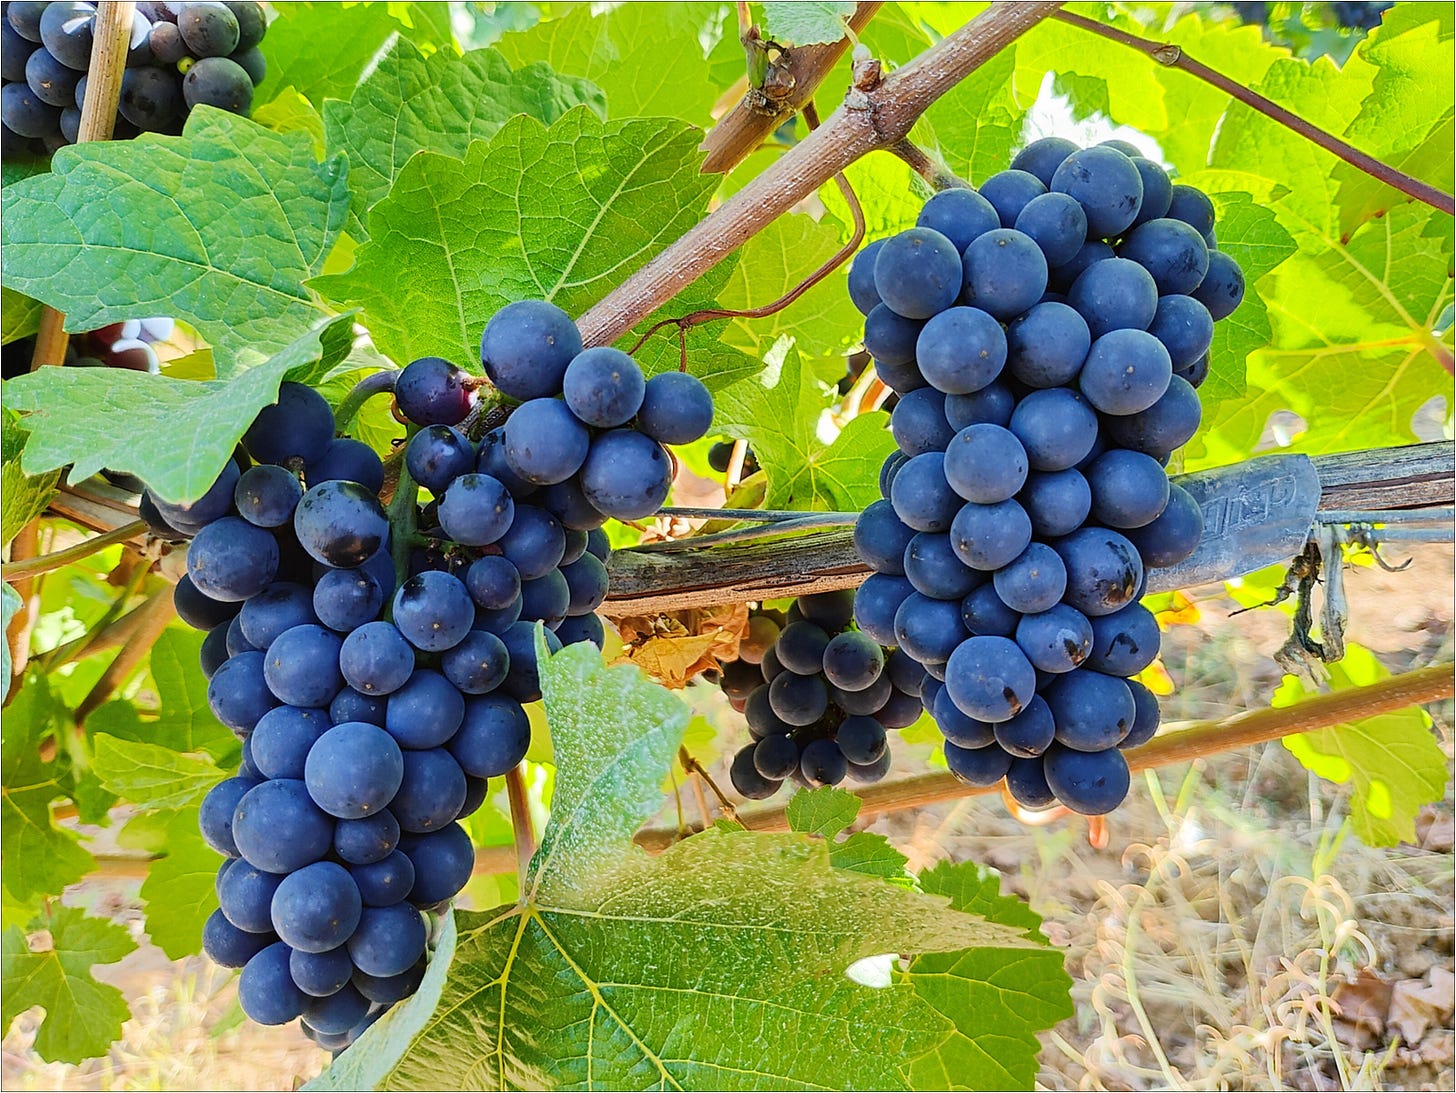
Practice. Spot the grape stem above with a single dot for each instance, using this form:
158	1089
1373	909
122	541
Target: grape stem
403	522
1172	56
692	766
33	567
935	174
362	392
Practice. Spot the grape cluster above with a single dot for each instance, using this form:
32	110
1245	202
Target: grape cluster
181	55
818	696
1046	335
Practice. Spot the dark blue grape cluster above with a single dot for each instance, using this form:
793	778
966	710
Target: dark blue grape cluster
1046	335
818	696
182	55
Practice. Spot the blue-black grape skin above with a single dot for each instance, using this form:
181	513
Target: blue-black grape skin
1009	192
960	350
266	991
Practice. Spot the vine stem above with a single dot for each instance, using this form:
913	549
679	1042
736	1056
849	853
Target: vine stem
937	176
152	618
1198	739
868	120
522	829
1172	56
376	383
44	563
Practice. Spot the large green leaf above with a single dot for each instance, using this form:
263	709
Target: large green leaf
561	213
627	971
82	1016
827	812
173	434
219	227
152	776
998	998
648	58
181	886
1391	762
806	24
19	315
23	497
779	411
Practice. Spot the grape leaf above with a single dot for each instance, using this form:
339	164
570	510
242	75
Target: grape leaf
647	58
218	227
561	213
151	776
40	858
409	103
817	22
290	112
10	603
23	497
321	49
1391	762
778	411
626	971
997	998
173	434
180	890
19	315
825	811
82	1016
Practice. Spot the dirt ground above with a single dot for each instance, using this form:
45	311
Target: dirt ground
1231	935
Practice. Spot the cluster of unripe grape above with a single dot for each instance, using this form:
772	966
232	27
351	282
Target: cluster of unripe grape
181	55
1046	335
818	696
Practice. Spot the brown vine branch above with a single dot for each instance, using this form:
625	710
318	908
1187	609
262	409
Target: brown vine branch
866	121
1431	684
523	830
152	618
744	128
33	567
1172	56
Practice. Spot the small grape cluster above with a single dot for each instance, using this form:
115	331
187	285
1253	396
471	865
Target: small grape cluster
181	55
1046	335
818	696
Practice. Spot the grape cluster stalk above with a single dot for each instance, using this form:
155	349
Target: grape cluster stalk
181	55
1046	335
818	696
377	672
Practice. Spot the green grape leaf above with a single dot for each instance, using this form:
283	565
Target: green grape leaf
1391	762
870	854
16	168
180	890
561	213
290	112
40	858
974	125
825	811
818	22
151	776
19	315
997	998
218	227
10	603
409	103
647	58
592	979
173	434
321	49
52	968
23	497
778	411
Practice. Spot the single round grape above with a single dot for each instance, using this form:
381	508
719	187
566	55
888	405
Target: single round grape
1056	223
862	291
1222	288
958	728
545	443
210	29
476	510
852	661
477	665
989	678
535	543
1034	581
1027	784
746	779
215	815
1042	157
335	1015
799	700
985	614
904	673
219	82
922	497
376	659
960	350
1056	426
870	772
302	666
1106	184
1126	371
1030	732
775	757
935	570
1114	294
1185	328
1063	277
546	599
800	647
230	559
23	17
340	524
432	792
299	424
1055	640
861	740
1092	783
759	712
603	387
52	82
1092	710
1171	251
282	739
319	975
1047	345
316	908
237	643
891	339
385	882
389	939
527	347
960	214
868	701
238	693
346	599
214	650
350	460
151	98
881	538
67	30
228	946
252	22
987	537
1104	570
493	582
384	990
199	611
1129	489
918	273
266	991
1145	720
366	840
1157	190
918	423
354	770
266	495
279	607
1009	192
626	474
876	603
443	862
676	408
977	766
1174	535
1057	502
586	585
426	711
1125	642
1005	273
524	681
575	545
991	405
281	805
1192	206
437	455
433	611
985	464
493	736
821	763
929	630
